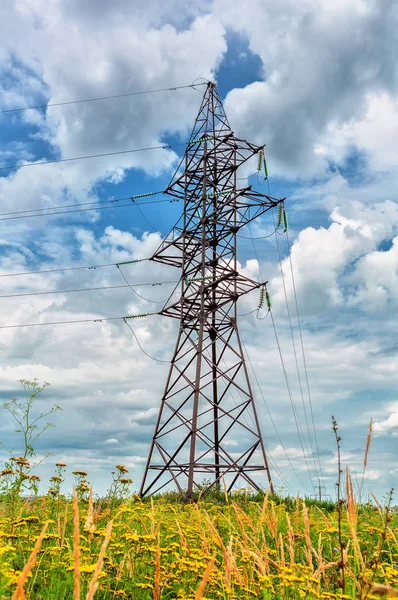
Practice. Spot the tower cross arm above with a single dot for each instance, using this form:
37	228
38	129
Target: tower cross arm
189	303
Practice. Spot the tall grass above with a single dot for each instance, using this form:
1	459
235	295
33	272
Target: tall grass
159	550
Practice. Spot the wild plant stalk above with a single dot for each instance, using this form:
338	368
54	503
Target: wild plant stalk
365	460
340	502
201	587
17	475
98	567
76	546
19	593
368	585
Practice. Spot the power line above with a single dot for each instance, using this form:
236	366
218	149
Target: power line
136	285
271	417
96	320
107	200
294	348
287	382
129	94
34	210
90	289
140	346
302	350
283	364
79	210
290	396
60	270
61	160
301	335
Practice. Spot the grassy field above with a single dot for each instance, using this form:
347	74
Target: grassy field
238	547
241	546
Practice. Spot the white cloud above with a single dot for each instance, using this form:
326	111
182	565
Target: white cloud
322	62
325	261
324	91
389	425
112	53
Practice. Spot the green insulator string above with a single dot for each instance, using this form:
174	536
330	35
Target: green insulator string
268	299
285	221
265	168
200	141
280	215
139	316
147	195
221	193
193	279
262	298
260	160
131	262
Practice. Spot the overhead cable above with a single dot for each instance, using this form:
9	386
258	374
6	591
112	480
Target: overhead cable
299	322
303	353
96	320
141	347
290	397
90	289
79	210
62	160
129	94
295	351
270	416
283	364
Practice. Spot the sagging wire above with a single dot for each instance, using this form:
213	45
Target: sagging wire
74	321
303	353
282	361
133	290
282	216
291	398
134	198
125	319
294	344
270	415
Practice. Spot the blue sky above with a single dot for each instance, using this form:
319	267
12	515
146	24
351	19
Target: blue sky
324	103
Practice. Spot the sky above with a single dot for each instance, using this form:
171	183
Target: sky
316	81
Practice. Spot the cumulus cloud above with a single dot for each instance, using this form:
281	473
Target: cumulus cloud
323	65
111	53
389	425
324	91
340	264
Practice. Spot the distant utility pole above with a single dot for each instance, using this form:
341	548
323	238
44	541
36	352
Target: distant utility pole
319	491
208	424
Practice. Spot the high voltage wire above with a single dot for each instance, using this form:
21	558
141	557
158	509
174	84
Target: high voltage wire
294	349
79	210
61	269
303	353
90	289
270	416
283	366
290	397
287	383
73	158
96	320
61	160
301	336
129	94
112	204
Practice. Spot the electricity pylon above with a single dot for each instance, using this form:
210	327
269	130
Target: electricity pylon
207	424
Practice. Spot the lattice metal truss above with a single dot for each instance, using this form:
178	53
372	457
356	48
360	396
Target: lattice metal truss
207	431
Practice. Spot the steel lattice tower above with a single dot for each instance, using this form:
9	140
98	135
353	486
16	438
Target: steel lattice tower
203	427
